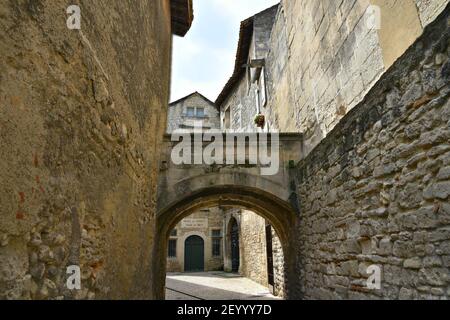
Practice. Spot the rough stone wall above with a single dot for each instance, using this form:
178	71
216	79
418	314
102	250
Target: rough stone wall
278	266
178	119
211	219
252	245
376	190
324	57
81	120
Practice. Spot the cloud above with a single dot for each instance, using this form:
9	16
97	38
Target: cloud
204	59
241	10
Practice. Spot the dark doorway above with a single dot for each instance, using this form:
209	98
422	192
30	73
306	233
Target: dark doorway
194	254
269	250
234	245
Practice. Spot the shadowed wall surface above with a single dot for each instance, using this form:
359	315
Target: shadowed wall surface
82	114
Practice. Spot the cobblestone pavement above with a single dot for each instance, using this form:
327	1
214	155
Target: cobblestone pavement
214	286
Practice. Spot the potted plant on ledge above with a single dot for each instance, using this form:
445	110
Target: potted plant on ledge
260	120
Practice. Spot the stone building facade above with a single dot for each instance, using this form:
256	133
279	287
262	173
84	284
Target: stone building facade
206	224
313	61
240	102
82	116
194	110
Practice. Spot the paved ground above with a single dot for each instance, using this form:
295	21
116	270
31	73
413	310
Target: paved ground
214	286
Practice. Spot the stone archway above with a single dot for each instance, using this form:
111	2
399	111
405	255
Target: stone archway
277	211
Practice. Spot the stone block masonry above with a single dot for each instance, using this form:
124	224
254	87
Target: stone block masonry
253	247
324	56
202	224
376	190
82	116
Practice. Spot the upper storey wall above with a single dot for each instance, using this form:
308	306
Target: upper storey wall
179	119
82	115
325	55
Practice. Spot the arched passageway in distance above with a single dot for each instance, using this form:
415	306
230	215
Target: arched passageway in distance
278	212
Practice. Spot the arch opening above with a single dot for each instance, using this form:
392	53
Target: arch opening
277	212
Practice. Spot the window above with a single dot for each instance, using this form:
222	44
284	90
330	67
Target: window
190	112
200	112
193	112
173	233
216	242
172	248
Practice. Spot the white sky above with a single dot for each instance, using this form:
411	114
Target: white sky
203	60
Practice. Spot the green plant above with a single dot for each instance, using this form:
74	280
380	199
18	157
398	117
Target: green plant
260	120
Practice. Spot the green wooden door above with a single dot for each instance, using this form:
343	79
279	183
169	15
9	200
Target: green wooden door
194	254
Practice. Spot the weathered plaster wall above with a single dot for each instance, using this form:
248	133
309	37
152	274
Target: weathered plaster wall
376	190
399	26
81	120
278	266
